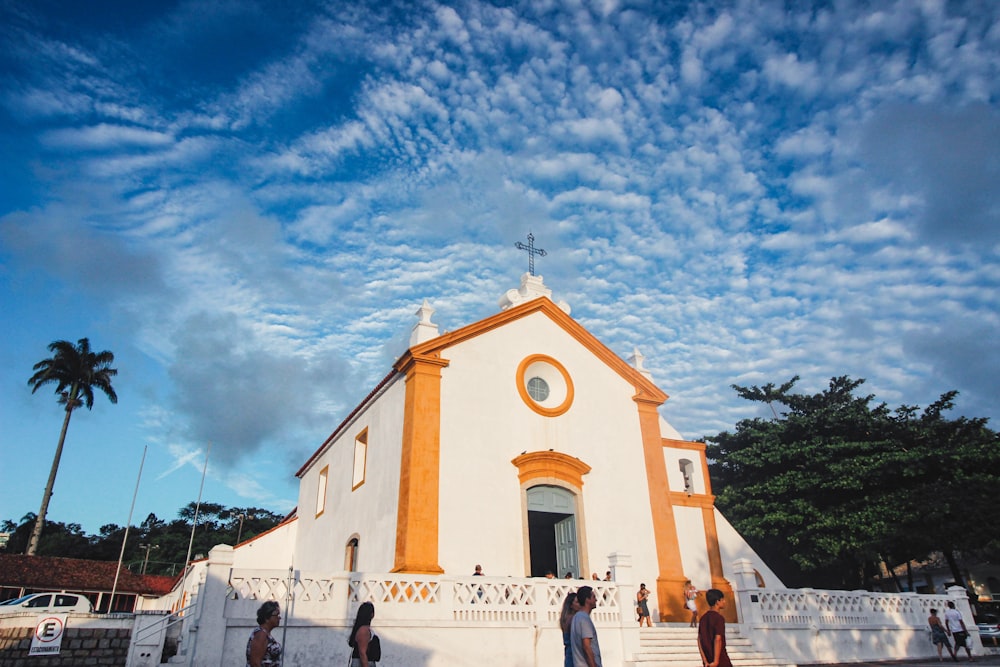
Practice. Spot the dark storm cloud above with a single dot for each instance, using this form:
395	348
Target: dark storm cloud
964	357
949	159
241	394
100	263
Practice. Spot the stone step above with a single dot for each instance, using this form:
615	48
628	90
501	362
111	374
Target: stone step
677	646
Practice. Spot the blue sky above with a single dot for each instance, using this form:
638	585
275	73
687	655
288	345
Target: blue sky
247	202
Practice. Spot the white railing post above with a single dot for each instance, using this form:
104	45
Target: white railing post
621	573
747	593
208	633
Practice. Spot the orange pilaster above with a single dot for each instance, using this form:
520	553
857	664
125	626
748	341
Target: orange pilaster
419	478
715	561
670	581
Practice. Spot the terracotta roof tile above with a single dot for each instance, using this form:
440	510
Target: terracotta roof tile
43	572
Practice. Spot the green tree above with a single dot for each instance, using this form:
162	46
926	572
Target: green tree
837	483
167	541
76	371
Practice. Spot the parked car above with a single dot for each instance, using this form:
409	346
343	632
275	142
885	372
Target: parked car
989	630
46	603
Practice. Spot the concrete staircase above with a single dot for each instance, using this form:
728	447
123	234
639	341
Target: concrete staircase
676	645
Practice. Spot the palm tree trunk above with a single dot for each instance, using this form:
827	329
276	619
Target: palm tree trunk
36	532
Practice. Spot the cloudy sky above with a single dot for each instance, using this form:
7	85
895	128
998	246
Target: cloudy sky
247	201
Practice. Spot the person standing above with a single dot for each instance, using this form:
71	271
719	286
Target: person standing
362	640
569	609
712	632
642	601
690	593
939	635
263	650
583	634
956	628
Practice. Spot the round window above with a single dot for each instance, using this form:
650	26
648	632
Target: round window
544	385
538	389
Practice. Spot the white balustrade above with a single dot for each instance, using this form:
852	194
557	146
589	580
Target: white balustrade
415	597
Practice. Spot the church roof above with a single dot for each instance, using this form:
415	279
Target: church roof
645	388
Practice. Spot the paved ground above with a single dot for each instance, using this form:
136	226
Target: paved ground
989	660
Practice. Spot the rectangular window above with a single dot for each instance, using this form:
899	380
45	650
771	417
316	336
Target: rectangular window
360	458
321	490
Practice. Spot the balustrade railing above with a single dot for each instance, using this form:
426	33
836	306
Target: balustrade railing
407	596
806	607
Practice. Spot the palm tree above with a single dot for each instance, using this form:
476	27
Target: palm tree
76	371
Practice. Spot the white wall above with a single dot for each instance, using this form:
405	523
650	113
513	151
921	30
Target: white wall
368	511
694	551
273	549
733	548
485	424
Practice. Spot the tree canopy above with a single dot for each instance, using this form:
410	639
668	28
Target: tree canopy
834	482
158	544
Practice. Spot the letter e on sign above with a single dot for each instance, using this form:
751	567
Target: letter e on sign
47	639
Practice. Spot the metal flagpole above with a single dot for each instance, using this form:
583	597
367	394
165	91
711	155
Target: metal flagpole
128	524
194	524
187	559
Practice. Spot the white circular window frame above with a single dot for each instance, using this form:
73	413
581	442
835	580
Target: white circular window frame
560	384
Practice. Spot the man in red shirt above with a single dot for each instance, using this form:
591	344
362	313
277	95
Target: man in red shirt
712	632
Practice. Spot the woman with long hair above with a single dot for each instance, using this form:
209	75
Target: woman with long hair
940	636
642	603
263	650
361	635
569	609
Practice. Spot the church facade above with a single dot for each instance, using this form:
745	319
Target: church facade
523	444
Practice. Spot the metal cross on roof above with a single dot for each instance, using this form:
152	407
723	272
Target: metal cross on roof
532	251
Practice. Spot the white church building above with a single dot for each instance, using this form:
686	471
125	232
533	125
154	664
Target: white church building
523	444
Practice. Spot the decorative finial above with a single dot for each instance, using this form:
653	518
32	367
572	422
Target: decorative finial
532	251
424	329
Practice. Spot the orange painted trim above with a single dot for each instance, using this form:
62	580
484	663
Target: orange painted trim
324	481
284	523
715	562
691	500
696	447
420	467
363	439
551	465
684	444
522	387
670	581
645	388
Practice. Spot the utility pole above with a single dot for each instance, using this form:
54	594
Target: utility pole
145	561
239	533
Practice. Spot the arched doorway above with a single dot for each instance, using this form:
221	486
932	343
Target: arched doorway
552	531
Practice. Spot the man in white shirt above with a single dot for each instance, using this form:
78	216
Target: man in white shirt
956	628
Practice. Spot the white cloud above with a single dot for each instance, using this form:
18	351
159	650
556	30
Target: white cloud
787	70
105	136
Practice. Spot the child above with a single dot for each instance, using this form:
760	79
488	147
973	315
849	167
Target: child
712	632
